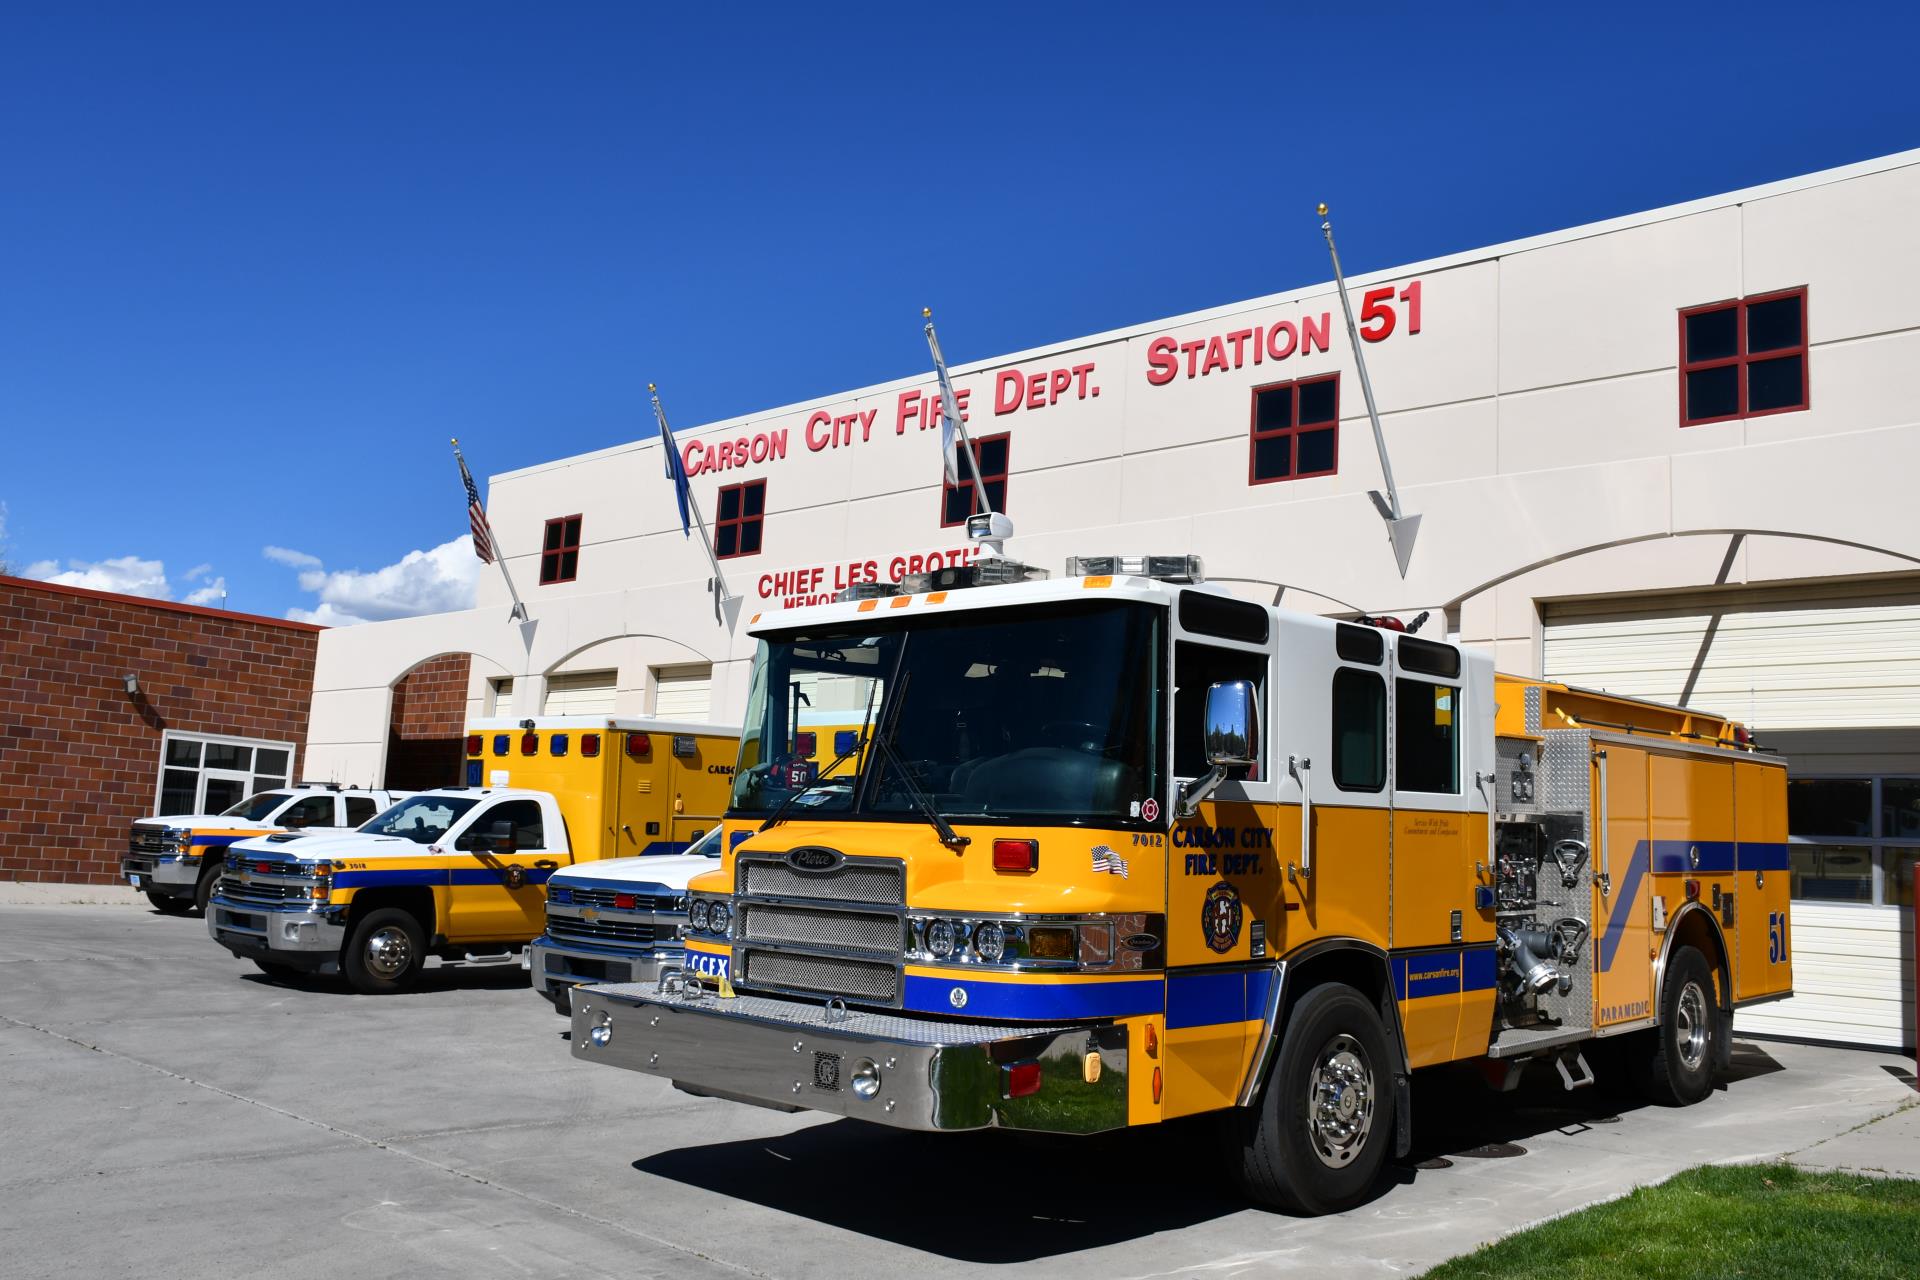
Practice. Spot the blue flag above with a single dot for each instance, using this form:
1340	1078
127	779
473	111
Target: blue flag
676	466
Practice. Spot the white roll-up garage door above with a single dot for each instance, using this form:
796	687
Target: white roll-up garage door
580	693
1812	658
683	693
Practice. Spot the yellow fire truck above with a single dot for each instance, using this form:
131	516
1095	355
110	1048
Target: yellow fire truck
458	874
1119	847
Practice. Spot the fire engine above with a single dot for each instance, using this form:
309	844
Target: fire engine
1119	847
458	874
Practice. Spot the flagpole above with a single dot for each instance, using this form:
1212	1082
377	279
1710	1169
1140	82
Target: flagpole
519	613
693	504
951	409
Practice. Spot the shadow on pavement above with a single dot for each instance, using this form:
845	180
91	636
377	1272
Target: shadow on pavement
1024	1197
480	978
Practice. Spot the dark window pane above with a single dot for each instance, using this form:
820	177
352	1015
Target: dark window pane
1713	393
1899	865
1900	808
182	751
177	790
1359	644
1316	451
267	761
553	536
1713	335
1273	409
1428	657
569	565
1774	384
1426	749
1223	616
228	755
1318	401
549	567
1830	807
1196	667
1273	458
730	503
726	539
1359	730
1773	325
749	537
754	500
360	809
1831	873
997	494
955	504
993	457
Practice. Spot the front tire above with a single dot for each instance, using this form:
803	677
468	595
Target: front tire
168	904
1674	1064
1320	1135
203	892
384	952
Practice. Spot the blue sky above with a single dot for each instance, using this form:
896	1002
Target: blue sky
259	262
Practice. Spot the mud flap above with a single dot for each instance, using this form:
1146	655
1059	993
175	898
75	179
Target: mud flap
1402	1116
1723	1042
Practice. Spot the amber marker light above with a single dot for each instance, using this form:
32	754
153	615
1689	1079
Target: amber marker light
1050	943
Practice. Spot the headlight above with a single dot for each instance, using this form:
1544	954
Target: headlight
940	938
719	916
990	940
697	914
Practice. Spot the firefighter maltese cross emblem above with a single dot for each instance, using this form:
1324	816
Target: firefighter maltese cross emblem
1220	917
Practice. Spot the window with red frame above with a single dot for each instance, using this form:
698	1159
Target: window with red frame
1743	359
958	501
736	529
560	551
1296	430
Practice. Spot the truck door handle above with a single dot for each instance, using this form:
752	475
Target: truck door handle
546	864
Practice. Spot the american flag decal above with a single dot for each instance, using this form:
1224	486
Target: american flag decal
1105	859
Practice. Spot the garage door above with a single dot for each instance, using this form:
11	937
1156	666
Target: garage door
580	693
1814	658
683	693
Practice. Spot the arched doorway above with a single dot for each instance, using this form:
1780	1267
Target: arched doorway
427	722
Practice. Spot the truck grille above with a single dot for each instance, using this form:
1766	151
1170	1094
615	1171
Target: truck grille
582	897
605	932
234	891
839	932
152	840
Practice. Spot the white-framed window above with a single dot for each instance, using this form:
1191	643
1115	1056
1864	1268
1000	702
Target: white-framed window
204	773
1854	838
500	696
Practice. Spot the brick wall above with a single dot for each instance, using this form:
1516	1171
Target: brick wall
429	719
79	757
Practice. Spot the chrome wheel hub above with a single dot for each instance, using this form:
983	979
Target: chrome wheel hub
389	952
1340	1099
1691	1028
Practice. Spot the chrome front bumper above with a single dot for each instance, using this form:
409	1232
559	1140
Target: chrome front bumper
175	874
556	966
926	1074
299	937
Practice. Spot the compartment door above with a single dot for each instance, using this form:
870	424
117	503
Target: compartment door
1623	887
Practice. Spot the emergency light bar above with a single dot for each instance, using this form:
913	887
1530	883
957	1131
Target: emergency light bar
989	571
1163	568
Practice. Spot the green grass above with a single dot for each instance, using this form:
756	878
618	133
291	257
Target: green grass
1756	1221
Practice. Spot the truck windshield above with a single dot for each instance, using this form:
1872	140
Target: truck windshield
421	819
1046	711
256	808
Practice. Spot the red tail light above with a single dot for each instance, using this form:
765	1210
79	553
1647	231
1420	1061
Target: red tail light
529	744
1693	889
639	746
264	868
1016	855
624	901
806	744
473	744
1020	1079
590	745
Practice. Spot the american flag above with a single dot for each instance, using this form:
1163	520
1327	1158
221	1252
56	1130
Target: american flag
1105	859
476	512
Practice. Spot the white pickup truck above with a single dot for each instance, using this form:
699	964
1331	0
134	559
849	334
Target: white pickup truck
616	921
175	858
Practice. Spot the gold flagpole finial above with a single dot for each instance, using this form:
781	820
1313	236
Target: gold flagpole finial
1321	209
927	312
456	442
652	387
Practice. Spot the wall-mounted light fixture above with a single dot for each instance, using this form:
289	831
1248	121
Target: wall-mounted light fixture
132	682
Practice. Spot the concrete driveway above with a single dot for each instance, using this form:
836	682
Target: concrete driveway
166	1111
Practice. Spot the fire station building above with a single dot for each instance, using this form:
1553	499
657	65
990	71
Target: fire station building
1670	455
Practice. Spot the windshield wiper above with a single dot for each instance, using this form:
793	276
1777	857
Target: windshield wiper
883	743
859	744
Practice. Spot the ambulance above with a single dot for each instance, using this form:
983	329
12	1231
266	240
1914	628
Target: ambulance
1120	847
457	875
175	858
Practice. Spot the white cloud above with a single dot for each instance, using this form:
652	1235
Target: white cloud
419	582
124	575
198	571
213	593
291	558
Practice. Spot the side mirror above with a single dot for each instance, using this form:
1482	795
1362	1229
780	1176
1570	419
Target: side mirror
1231	737
1233	725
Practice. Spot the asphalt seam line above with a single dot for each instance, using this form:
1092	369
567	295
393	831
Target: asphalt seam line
378	1145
